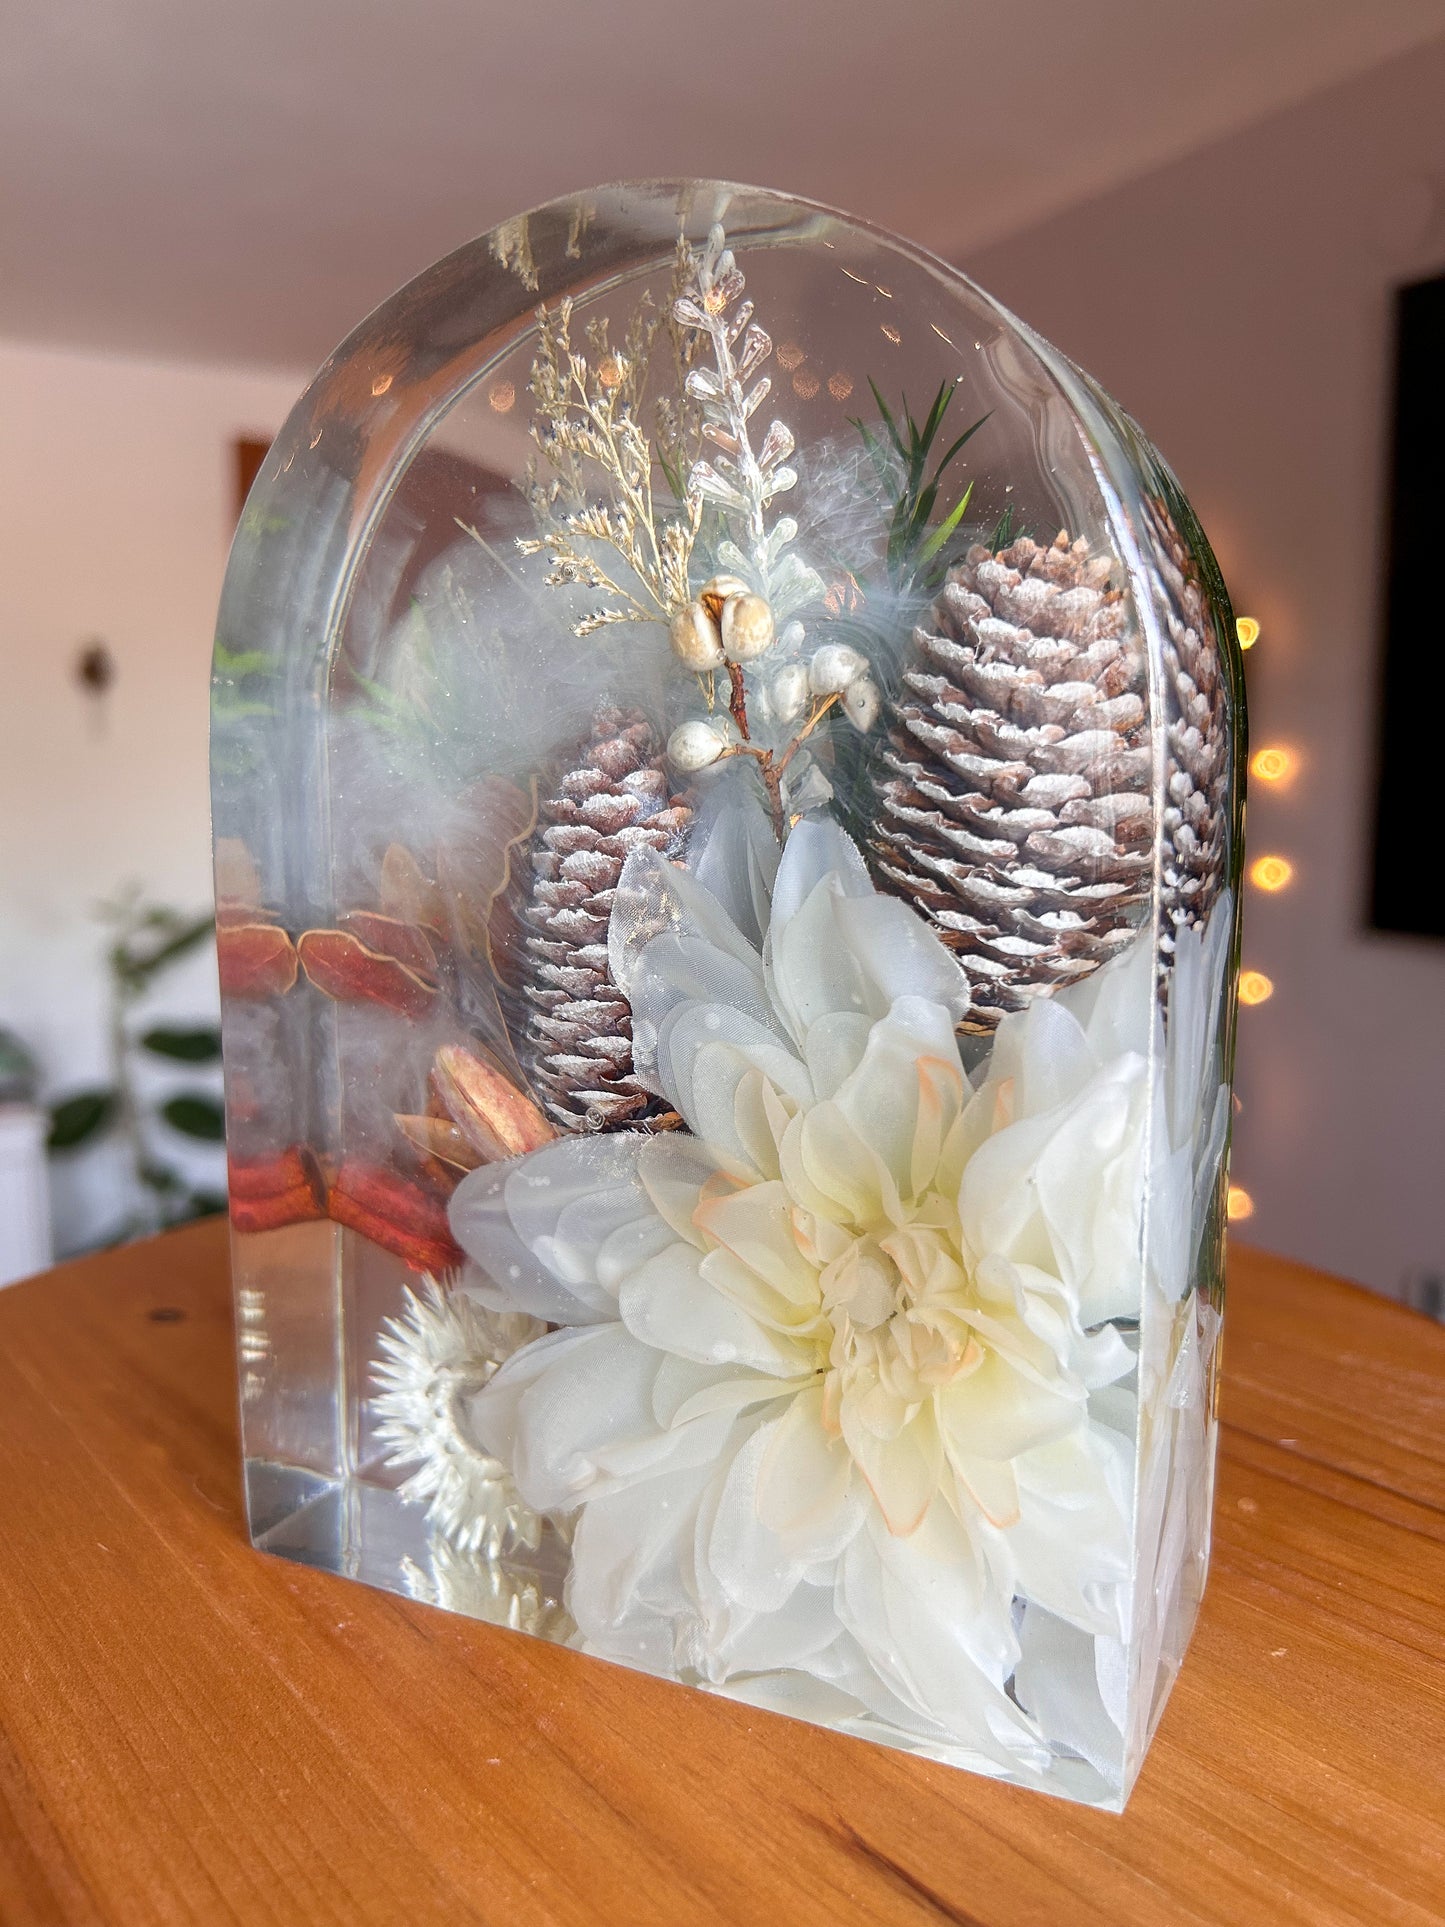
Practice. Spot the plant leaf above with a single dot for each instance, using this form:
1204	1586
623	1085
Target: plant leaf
199	1046
194	1115
938	472
76	1119
886	414
929	548
205	1204
184	937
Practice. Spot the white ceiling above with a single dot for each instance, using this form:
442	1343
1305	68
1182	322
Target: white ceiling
245	180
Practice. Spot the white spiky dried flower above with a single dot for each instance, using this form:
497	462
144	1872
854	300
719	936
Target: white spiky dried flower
436	1355
467	1582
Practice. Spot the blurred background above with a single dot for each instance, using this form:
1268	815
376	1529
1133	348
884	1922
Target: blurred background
1212	207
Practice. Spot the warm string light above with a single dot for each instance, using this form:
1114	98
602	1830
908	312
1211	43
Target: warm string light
1271	873
502	397
1254	987
1273	764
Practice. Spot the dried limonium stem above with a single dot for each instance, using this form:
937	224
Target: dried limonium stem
588	409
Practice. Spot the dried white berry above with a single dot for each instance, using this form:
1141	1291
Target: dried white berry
789	691
861	703
833	667
718	588
747	627
694	745
695	638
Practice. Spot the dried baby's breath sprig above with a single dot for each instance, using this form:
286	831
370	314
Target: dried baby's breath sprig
588	420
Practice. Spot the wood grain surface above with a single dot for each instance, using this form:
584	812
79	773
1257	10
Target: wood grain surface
193	1732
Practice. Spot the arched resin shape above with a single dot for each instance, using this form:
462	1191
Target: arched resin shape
727	794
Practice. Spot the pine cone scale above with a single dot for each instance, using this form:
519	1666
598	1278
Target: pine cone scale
576	1028
1013	804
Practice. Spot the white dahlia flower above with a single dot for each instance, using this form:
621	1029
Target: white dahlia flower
835	1400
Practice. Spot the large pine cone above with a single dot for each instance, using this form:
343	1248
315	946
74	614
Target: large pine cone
576	1042
1014	807
1196	810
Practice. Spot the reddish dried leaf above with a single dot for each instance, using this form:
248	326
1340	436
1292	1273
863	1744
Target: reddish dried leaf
284	1188
396	1214
344	968
390	937
256	960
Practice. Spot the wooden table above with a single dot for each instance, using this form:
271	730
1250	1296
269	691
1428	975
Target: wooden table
190	1731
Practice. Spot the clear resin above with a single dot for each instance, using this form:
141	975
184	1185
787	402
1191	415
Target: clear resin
727	794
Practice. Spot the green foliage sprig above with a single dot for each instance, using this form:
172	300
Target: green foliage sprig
917	553
148	940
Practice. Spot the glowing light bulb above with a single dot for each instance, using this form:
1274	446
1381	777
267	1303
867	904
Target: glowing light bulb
1241	1204
840	386
806	384
1247	629
790	355
1273	764
1271	872
502	397
1254	987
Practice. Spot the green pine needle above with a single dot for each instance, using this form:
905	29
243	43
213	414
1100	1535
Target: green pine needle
917	547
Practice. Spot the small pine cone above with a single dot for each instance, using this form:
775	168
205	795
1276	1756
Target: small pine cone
576	1043
1013	801
1196	735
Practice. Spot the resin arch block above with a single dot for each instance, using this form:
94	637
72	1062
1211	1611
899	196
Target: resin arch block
727	793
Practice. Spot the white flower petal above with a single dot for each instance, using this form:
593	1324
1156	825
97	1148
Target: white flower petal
834	1047
674	1169
678	973
817	852
811	971
808	1493
573	1414
1057	1680
742	1561
670	1307
909	1078
902	1470
1071	1544
703	1055
900	956
686	1390
535	1225
628	1586
997	1412
736	857
927	1613
655	896
755	1224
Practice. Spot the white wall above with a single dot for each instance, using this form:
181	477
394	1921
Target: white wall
116	509
1238	303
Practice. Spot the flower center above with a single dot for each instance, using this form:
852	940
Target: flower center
894	1312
